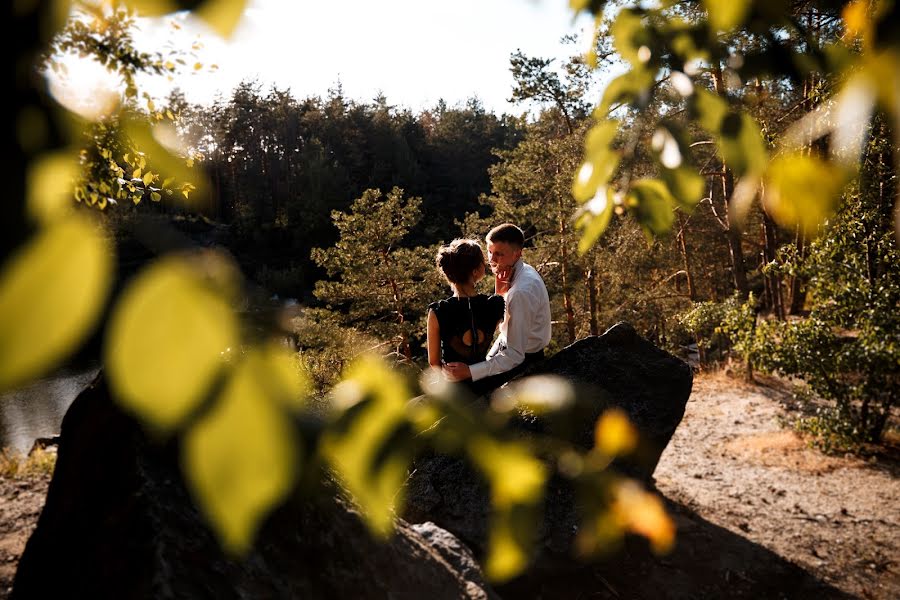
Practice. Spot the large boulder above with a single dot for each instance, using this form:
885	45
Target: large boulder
617	369
119	523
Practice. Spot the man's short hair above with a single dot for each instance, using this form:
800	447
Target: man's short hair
507	233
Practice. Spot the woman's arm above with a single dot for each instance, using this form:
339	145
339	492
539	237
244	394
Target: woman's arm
434	340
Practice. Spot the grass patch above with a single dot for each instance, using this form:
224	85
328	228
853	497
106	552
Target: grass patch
14	465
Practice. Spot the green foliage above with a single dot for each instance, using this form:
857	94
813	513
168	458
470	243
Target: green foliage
848	348
378	285
829	430
703	323
675	47
739	325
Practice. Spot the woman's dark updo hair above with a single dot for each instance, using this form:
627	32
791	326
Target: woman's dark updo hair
458	259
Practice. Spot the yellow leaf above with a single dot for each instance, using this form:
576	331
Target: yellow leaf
165	342
51	293
614	434
514	474
155	196
368	446
50	185
507	555
170	65
136	174
198	66
802	190
222	15
148	178
150	105
643	513
241	459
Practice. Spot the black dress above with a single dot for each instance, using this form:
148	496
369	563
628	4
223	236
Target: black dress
463	320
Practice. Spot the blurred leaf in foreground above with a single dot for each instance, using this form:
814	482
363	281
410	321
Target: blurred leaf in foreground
516	478
167	341
802	190
241	458
614	434
369	444
51	294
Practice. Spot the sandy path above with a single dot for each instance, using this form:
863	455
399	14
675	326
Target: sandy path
733	464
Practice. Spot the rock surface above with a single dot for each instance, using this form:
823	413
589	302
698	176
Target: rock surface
617	369
119	523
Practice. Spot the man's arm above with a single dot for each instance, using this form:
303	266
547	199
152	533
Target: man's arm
518	312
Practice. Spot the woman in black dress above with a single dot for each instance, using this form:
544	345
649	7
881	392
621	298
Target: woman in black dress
461	327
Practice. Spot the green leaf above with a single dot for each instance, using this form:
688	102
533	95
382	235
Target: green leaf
673	155
600	161
631	38
652	205
593	219
51	294
737	134
369	444
725	15
802	190
686	185
166	342
624	89
595	172
155	196
241	458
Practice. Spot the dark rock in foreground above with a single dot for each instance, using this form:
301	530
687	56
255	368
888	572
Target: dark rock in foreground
119	523
617	369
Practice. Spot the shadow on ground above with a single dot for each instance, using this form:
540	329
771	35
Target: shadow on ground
708	561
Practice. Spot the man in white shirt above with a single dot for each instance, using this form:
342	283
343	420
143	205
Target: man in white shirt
525	329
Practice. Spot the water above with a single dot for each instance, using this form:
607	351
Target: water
37	410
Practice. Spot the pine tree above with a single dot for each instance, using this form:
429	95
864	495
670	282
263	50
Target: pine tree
377	285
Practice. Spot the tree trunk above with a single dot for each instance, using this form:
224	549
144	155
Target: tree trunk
692	291
592	300
398	308
733	234
798	292
567	297
773	282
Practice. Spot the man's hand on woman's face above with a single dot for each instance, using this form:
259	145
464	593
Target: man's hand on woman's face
502	277
457	371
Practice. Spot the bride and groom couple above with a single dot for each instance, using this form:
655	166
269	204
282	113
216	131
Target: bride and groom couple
461	328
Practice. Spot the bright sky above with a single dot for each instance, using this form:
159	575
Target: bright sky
414	51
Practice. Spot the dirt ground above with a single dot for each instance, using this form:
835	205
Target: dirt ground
732	463
760	514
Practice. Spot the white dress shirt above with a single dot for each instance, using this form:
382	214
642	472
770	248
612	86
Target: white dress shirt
525	328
